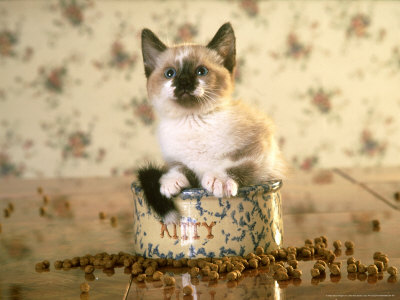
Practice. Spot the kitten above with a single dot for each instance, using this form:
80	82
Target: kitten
206	138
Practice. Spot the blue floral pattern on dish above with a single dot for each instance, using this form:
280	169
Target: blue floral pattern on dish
210	226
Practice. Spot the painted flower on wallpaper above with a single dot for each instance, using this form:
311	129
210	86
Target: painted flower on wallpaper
54	79
72	11
9	168
295	48
8	40
143	110
186	33
120	58
250	7
370	146
321	99
358	25
307	163
76	146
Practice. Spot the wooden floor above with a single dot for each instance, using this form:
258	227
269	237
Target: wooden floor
337	203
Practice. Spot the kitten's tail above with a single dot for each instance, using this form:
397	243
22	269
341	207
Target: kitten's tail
149	179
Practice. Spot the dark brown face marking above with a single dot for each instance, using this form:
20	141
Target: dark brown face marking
151	49
244	174
185	82
224	43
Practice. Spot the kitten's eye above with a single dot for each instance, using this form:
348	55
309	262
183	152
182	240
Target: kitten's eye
201	71
169	73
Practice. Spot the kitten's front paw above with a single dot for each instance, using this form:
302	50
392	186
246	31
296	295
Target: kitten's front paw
172	184
219	187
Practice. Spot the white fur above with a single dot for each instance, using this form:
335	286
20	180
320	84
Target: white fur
171	218
183	53
172	183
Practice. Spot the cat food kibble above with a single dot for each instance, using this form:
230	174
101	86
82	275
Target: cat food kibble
113	221
392	271
85	287
58	264
102	215
280	275
375	225
253	263
187	290
213	275
337	244
157	275
361	268
141	277
231	276
351	260
335	269
168	280
296	273
397	196
315	272
379	265
45	199
40	190
89	269
372	269
349	245
259	250
352	268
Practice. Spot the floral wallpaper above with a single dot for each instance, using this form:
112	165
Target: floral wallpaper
73	93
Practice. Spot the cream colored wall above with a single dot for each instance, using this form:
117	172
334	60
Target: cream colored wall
72	89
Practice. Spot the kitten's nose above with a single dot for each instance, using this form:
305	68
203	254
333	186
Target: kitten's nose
185	83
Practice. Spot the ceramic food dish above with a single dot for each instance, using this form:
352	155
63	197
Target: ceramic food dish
210	226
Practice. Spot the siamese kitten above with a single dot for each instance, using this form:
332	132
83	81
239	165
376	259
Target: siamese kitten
207	139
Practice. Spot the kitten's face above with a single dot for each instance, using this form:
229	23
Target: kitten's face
189	79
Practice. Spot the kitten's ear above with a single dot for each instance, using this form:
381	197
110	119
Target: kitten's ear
224	43
152	47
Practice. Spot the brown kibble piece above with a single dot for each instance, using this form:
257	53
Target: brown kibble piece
45	199
351	260
397	196
379	265
259	250
293	263
253	263
392	271
377	254
40	190
337	244
352	268
372	269
157	275
67	264
39	266
187	290
177	264
383	258
58	264
113	221
192	263
141	277
168	280
42	211
85	287
296	273
315	272
349	244
335	269
213	275
6	213
320	267
149	271
102	215
362	268
265	260
306	252
89	269
195	271
281	275
231	276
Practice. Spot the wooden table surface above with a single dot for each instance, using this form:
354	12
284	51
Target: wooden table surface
339	204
